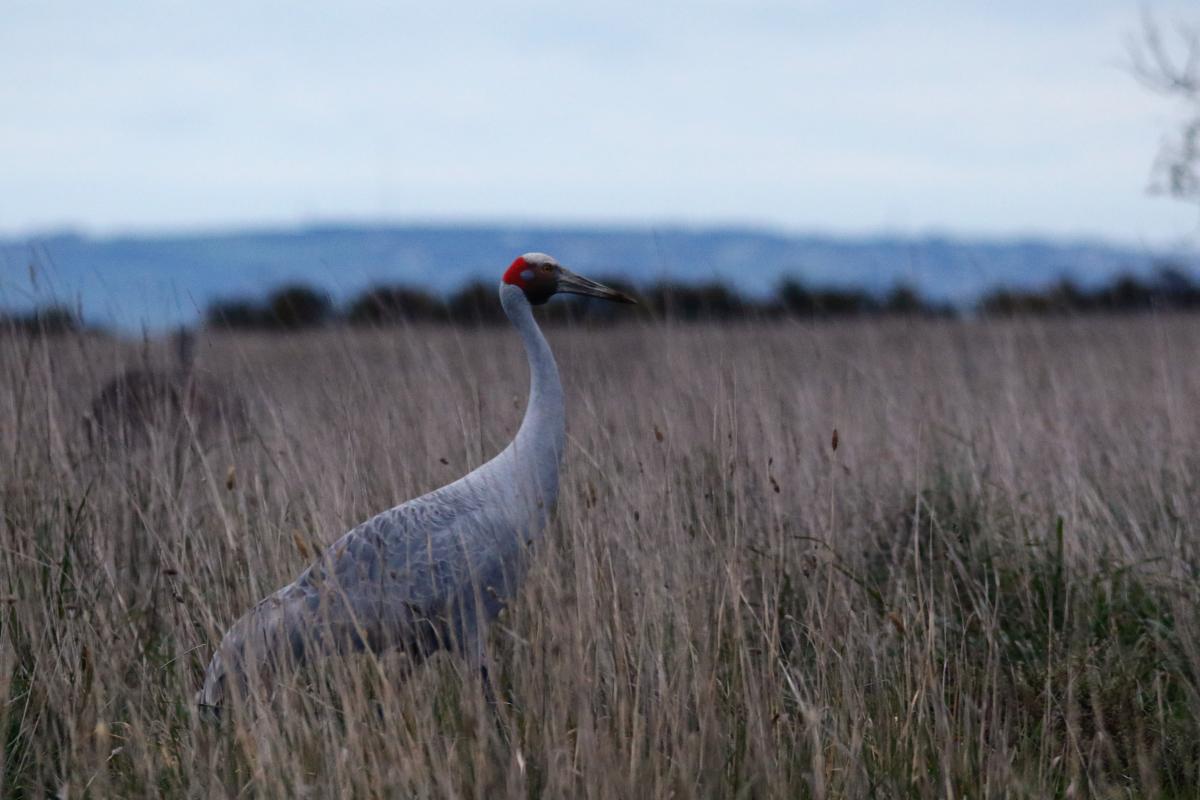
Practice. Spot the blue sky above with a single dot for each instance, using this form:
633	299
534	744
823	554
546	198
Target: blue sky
995	119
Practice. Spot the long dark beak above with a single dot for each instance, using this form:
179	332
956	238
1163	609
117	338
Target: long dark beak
570	283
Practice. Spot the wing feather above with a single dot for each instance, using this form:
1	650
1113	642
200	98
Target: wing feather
390	582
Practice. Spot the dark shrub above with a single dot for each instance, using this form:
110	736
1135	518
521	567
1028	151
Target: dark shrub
241	314
294	307
390	305
696	302
797	299
49	321
475	304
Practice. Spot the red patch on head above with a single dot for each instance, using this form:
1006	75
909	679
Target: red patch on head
513	275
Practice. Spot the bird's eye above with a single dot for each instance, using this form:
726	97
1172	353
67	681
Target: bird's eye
547	268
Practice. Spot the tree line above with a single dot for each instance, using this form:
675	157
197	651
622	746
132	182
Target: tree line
298	306
1168	288
294	307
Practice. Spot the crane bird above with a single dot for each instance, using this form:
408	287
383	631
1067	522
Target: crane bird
430	573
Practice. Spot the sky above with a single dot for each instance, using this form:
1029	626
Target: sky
994	119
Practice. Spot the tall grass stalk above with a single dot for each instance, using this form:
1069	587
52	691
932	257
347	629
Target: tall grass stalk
988	589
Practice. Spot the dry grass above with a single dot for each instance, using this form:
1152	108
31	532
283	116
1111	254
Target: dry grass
989	589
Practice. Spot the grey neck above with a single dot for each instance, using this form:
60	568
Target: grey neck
539	442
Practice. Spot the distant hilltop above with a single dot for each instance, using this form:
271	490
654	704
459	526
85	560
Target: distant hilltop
161	280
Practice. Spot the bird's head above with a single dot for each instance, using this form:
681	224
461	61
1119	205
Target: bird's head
540	277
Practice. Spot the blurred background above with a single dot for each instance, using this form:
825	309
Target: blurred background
301	163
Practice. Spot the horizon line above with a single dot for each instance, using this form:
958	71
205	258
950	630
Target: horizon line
218	230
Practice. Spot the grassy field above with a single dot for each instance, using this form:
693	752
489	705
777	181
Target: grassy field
877	559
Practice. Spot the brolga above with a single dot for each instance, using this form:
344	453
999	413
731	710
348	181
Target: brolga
430	573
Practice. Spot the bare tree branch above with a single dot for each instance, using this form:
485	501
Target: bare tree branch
1173	69
1169	63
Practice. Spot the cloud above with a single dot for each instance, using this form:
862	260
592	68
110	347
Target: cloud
805	114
